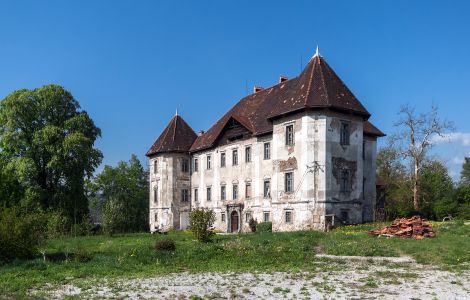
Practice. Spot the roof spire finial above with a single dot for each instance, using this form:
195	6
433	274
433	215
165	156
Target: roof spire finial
176	112
317	52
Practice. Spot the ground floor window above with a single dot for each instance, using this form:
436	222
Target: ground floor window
223	217
288	217
248	217
266	216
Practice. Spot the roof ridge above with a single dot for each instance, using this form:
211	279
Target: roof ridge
174	129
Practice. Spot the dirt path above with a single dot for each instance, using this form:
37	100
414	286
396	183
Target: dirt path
333	280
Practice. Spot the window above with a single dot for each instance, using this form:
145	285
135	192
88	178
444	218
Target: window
222	159
248	154
345	182
196	165
266	216
223	217
184	195
289	182
209	194
155	195
155	166
248	190
208	165
235	157
288	217
267	150
248	217
267	189
235	191
344	135
223	193
155	218
195	194
185	165
290	135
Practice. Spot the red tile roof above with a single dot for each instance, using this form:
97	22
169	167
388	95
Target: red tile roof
317	87
370	129
178	136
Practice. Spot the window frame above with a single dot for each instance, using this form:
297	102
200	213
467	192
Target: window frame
235	157
248	188
155	166
196	164
184	165
222	218
223	192
248	154
267	150
266	193
184	195
286	219
209	193
289	182
345	181
290	135
248	217
235	192
208	162
196	190
155	194
345	133
223	159
268	219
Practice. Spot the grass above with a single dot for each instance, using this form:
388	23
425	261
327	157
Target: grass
133	255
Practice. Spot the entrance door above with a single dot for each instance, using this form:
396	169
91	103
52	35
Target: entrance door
184	220
234	222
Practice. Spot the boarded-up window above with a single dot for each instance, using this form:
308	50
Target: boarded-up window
248	190
235	191
223	192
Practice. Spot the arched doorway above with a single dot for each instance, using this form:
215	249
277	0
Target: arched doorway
234	222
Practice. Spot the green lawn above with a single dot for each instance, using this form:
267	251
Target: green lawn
133	255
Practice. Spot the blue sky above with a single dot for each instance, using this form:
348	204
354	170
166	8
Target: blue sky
131	64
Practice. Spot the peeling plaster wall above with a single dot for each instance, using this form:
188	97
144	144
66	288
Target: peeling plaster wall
316	193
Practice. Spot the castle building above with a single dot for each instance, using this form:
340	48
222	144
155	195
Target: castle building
300	154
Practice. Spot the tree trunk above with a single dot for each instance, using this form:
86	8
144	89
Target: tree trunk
415	187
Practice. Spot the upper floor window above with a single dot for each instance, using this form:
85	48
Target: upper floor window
235	192
267	150
184	195
344	134
196	165
248	154
222	159
345	182
208	162
248	217
185	165
289	182
290	135
235	157
155	166
267	189
209	193
223	193
248	190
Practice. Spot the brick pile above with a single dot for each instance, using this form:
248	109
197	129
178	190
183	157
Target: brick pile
414	227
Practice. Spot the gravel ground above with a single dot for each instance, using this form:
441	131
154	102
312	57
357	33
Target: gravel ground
333	280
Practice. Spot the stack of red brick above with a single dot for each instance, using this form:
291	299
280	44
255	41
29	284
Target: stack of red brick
415	227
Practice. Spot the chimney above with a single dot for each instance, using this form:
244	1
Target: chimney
201	132
283	78
257	89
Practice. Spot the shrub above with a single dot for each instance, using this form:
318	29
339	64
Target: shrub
252	223
81	254
165	245
200	223
264	227
21	235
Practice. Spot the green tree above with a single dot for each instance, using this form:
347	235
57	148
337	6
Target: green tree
436	190
394	174
124	189
48	143
201	221
465	173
